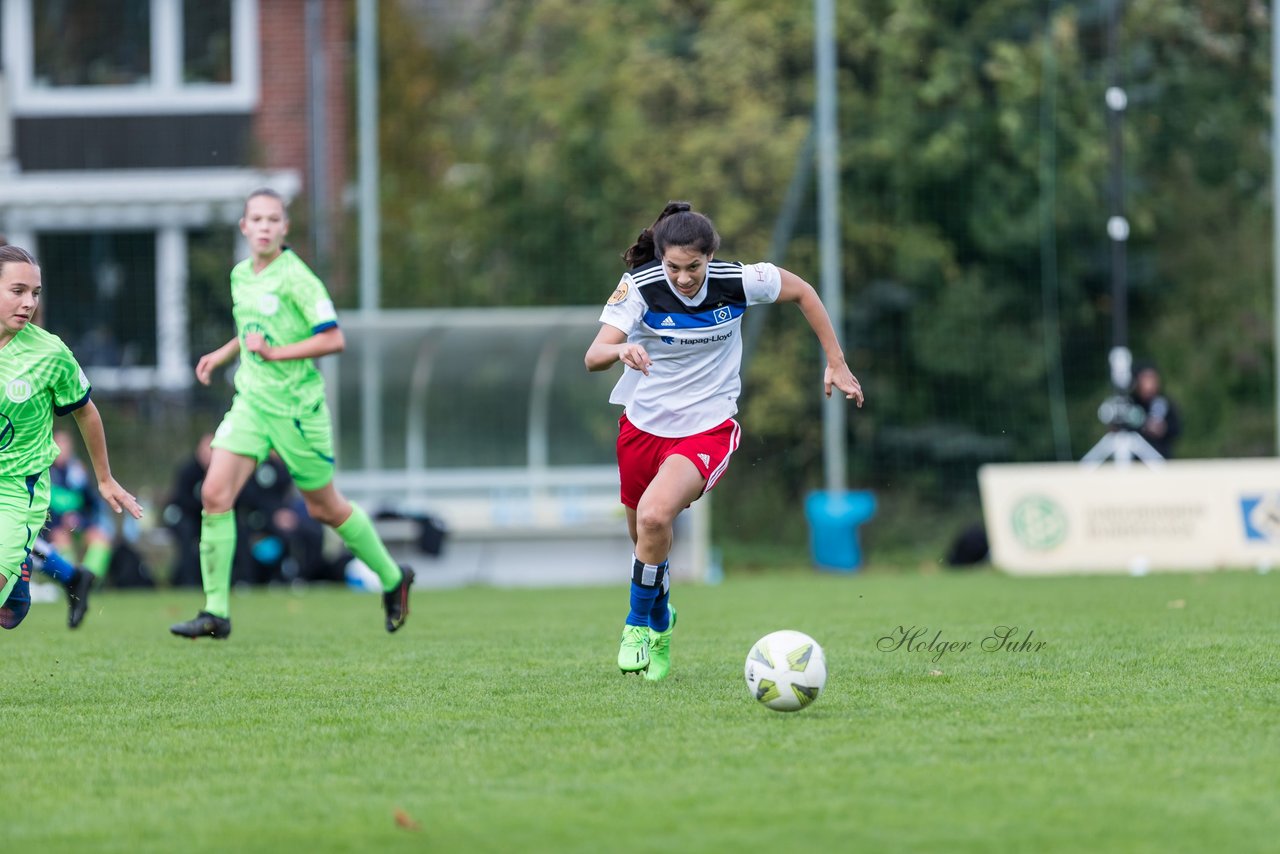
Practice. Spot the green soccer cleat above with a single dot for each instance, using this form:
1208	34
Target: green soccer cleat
660	650
633	654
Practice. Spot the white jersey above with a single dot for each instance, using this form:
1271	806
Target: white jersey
695	344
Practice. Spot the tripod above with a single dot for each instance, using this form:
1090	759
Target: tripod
1123	445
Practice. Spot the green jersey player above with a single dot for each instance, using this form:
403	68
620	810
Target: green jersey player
39	377
284	321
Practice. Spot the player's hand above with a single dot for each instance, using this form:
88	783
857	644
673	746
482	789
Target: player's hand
634	356
254	342
118	498
843	379
204	368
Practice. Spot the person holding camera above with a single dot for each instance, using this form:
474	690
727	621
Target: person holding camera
1160	424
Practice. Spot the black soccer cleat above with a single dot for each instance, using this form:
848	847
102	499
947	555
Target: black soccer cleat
78	589
396	601
205	625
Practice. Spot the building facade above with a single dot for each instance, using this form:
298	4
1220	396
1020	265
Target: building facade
130	133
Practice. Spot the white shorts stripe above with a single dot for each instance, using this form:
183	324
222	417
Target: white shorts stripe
734	438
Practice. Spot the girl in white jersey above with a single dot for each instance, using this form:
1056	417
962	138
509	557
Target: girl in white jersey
675	323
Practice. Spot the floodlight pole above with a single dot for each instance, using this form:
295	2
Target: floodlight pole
1117	225
370	225
1121	443
833	413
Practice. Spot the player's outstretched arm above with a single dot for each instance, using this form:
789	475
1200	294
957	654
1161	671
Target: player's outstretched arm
95	440
210	362
323	343
837	373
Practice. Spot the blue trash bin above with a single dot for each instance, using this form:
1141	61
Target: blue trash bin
834	518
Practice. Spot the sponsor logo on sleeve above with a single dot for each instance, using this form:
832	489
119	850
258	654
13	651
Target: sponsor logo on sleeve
325	310
620	293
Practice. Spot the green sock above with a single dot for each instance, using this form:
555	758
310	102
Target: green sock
97	558
10	582
361	537
217	552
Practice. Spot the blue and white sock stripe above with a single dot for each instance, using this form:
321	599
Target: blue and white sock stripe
648	574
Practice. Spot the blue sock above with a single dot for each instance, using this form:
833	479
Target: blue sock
57	567
648	582
660	617
641	604
16	605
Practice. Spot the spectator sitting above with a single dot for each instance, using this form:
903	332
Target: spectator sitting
75	519
275	538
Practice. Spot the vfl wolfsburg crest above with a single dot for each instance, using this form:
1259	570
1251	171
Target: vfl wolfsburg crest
18	390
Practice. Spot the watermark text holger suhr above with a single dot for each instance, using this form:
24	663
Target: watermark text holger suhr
920	639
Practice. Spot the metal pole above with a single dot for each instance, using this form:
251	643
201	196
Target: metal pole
833	413
370	226
318	120
1275	197
1117	224
367	108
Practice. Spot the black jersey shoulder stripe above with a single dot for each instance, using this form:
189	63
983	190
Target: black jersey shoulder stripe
649	273
720	293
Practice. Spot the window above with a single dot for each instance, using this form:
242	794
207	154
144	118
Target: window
130	57
206	42
211	253
92	42
100	295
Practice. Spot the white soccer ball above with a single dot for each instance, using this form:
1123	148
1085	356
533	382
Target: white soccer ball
786	670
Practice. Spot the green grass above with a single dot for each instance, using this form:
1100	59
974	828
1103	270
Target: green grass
497	722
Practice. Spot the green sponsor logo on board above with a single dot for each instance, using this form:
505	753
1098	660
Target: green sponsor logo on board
1039	523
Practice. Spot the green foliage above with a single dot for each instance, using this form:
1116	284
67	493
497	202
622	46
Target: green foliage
523	157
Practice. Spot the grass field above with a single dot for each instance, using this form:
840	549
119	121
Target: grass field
496	721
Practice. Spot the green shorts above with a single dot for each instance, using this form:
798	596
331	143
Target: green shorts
24	508
304	444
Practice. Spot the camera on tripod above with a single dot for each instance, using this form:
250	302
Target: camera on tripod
1119	412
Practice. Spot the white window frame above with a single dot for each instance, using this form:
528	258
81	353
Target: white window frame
164	93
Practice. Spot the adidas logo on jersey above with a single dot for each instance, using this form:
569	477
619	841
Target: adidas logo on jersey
706	460
668	322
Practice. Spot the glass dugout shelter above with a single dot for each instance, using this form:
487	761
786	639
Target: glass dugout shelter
488	421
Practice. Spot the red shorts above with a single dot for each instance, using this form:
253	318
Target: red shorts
641	454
